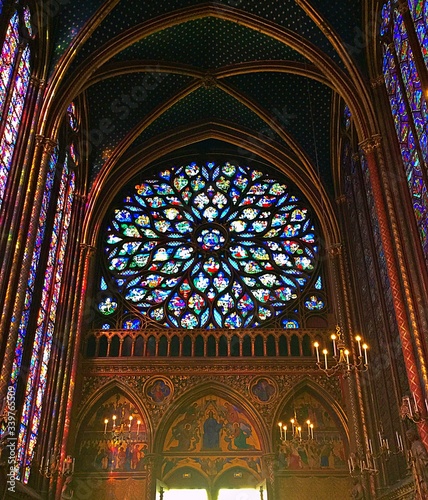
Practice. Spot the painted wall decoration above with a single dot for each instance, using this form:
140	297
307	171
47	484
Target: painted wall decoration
159	390
211	424
113	439
263	389
325	451
209	466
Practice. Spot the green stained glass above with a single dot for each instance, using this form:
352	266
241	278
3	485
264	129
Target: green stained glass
208	246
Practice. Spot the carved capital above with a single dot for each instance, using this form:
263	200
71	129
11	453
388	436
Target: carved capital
379	81
335	250
371	143
89	249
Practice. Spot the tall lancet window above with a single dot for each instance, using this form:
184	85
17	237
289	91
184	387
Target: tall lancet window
14	79
405	58
45	323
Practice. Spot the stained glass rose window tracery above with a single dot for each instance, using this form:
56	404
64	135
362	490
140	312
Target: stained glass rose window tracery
209	246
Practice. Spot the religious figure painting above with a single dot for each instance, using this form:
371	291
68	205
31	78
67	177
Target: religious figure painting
263	389
321	448
159	390
113	438
212	424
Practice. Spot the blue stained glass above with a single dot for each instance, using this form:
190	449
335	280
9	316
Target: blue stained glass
224	265
42	346
17	91
34	265
412	92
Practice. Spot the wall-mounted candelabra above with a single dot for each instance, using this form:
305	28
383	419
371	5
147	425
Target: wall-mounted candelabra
344	363
409	409
126	431
368	464
53	467
295	431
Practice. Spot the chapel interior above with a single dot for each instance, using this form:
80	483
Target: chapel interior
214	249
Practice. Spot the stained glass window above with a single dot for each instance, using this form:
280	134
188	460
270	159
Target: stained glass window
14	79
419	12
34	266
209	246
408	106
37	377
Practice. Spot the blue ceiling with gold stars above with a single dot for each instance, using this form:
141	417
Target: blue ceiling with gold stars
165	70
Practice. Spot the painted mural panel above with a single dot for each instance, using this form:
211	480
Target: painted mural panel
318	448
114	438
211	424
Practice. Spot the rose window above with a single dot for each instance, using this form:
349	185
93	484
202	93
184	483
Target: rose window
210	246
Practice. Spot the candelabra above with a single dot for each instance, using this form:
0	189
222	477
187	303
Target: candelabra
409	409
296	430
359	465
342	356
123	431
52	466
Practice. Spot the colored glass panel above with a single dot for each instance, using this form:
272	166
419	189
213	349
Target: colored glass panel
36	382
401	100
72	117
34	266
419	12
17	91
209	246
412	83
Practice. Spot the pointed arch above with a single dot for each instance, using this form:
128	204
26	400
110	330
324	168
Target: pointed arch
207	389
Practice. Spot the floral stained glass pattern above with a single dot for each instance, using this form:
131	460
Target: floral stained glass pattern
36	383
209	246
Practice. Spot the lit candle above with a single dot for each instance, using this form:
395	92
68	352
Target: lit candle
333	338
285	432
380	438
325	352
138	426
409	404
105	425
299	430
347	358
365	347
130	422
350	465
358	339
401	444
312	430
280	429
292	426
308	423
414	399
370	446
316	345
398	440
114	421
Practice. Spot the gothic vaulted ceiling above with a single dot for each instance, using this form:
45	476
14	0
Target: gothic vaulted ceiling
150	68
